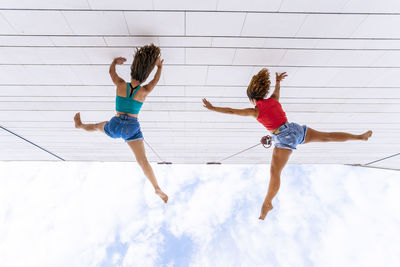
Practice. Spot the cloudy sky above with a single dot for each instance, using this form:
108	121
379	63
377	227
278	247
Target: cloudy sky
105	214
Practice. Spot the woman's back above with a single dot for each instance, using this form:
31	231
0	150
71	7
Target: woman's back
271	114
128	102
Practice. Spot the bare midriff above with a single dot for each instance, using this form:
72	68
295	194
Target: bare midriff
274	130
127	114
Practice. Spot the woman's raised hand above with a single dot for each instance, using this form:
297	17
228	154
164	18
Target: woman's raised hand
207	104
280	77
159	62
119	60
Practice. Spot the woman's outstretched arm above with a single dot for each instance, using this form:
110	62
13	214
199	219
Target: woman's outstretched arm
150	86
113	73
241	112
279	77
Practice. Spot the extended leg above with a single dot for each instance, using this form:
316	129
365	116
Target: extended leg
279	159
316	136
137	147
90	127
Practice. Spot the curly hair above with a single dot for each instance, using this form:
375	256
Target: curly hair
259	85
144	61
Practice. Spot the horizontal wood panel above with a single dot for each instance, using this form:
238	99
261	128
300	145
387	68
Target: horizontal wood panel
343	76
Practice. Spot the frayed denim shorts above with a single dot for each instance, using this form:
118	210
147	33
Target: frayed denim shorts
125	127
291	134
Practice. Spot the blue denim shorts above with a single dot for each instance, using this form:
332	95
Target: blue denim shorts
125	127
291	134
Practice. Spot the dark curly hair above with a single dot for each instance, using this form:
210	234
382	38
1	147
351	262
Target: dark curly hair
144	61
259	85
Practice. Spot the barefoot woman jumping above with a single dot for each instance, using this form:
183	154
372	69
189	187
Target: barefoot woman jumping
129	100
286	135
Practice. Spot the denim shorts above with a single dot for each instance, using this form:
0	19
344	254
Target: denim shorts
125	127
291	134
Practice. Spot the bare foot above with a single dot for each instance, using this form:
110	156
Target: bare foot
77	119
266	207
366	135
162	195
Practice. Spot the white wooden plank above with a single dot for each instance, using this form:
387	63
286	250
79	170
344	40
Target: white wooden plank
391	163
378	26
258	24
369	6
77	40
259	57
312	6
47	4
185	41
12	74
195	105
130	41
189	75
307	58
214	24
204	116
327	25
45	22
121	4
48	75
96	22
14	148
159	23
288	94
13	55
24	40
209	56
229	75
251	5
385	77
185	5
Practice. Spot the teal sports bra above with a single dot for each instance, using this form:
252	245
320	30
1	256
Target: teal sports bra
128	104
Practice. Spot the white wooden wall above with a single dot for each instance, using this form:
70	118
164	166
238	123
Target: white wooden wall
342	58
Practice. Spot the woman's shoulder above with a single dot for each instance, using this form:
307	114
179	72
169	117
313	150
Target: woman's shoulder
122	89
123	85
271	100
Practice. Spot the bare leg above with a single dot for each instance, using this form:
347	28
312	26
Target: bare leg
87	126
316	136
279	159
137	147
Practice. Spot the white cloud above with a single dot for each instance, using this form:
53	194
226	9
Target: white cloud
73	210
70	214
311	225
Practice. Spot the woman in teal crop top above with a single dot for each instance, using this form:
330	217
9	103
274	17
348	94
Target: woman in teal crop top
128	102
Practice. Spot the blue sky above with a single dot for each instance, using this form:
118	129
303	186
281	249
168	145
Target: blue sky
105	214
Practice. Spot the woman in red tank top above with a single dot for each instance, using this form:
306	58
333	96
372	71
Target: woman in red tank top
286	136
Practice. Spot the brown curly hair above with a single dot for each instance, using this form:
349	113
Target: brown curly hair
259	85
144	61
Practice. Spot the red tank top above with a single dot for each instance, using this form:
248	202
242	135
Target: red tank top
271	114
